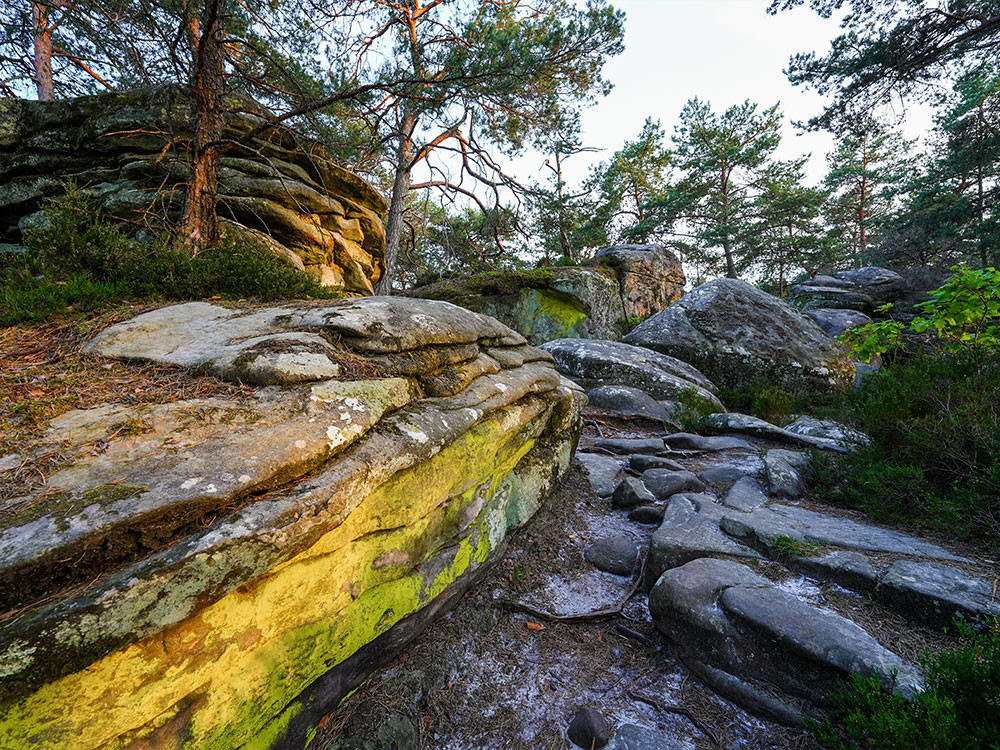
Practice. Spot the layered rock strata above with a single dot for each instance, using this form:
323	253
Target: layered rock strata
219	573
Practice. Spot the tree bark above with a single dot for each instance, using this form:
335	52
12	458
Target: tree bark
199	224
42	58
397	204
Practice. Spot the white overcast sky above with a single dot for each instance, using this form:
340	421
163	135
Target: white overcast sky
723	51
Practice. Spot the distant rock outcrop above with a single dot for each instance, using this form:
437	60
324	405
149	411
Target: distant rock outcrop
237	566
862	289
600	300
734	333
128	151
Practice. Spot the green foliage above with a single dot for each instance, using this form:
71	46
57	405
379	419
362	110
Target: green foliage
964	313
958	710
691	408
784	547
80	262
762	398
934	459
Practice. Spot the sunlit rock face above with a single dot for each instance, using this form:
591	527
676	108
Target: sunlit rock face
129	150
214	572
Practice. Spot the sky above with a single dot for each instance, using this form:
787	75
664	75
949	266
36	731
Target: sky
722	51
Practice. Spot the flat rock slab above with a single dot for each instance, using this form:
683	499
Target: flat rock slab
640	462
827	429
685	441
614	363
617	555
628	446
689	530
847	568
635	737
604	472
763	524
725	615
746	424
835	321
938	593
722	475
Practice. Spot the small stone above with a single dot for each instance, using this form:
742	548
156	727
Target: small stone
646	514
602	471
616	554
589	729
627	446
745	495
640	463
722	474
663	483
786	472
631	492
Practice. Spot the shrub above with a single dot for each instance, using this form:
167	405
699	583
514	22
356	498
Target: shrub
959	710
80	261
761	398
935	453
690	408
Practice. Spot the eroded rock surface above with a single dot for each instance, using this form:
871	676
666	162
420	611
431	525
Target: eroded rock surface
240	566
734	332
127	151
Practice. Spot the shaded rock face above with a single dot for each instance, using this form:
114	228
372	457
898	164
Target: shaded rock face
591	302
595	362
240	565
295	200
735	333
861	289
651	277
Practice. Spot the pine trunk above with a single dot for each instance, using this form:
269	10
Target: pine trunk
199	225
397	204
42	59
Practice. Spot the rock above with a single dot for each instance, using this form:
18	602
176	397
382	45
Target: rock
806	433
745	495
690	529
760	526
635	737
589	729
604	472
822	280
651	276
663	482
617	555
881	284
632	492
685	441
808	297
836	322
627	446
936	594
825	429
757	700
722	474
640	462
724	615
291	540
844	567
628	402
541	304
595	363
787	472
646	514
736	333
117	148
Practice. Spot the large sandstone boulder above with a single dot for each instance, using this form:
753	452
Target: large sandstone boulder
650	276
542	304
861	289
219	572
128	150
736	333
